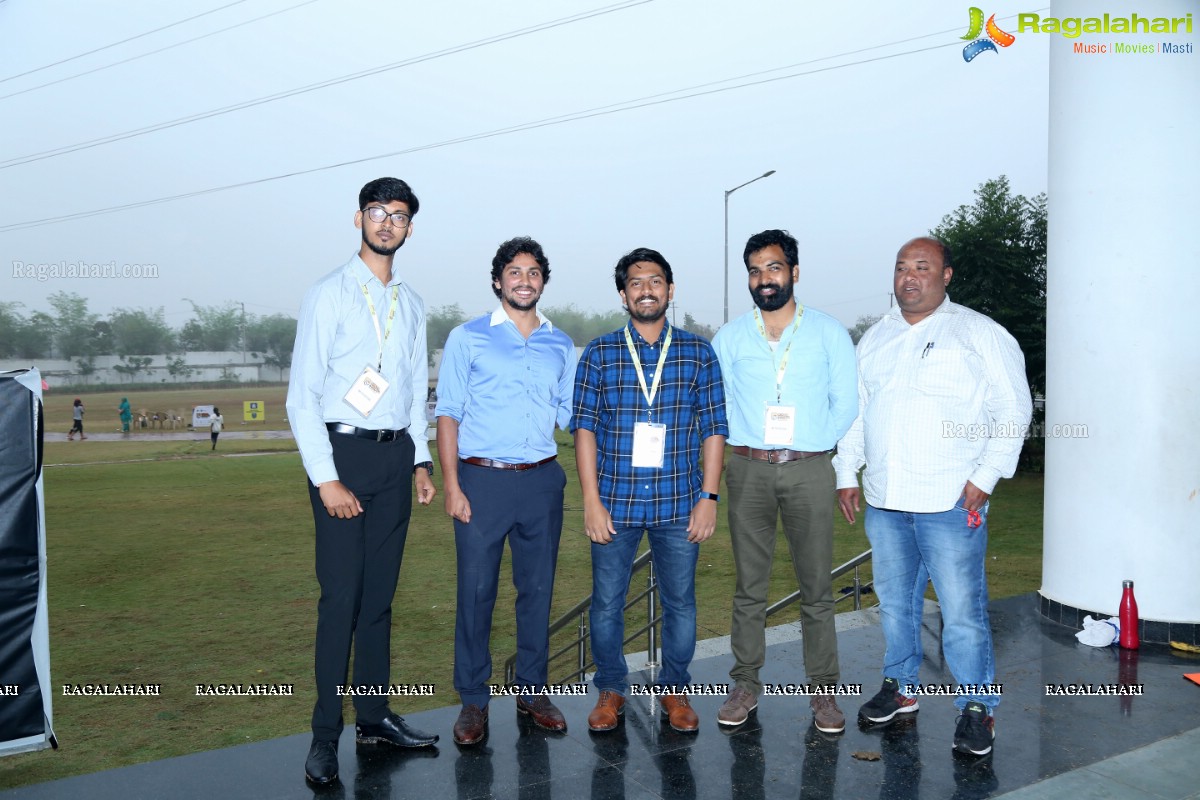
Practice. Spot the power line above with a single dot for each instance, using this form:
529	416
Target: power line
600	111
116	137
155	52
123	41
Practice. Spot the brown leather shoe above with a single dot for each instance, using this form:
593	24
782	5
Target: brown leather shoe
679	712
472	725
543	713
607	713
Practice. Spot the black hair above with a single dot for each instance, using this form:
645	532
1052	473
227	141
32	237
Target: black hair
388	190
785	240
509	250
635	256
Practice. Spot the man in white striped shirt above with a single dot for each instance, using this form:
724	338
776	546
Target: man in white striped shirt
943	407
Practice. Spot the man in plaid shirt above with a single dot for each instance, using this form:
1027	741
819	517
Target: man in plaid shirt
648	401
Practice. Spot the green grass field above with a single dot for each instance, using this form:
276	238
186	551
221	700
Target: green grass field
175	566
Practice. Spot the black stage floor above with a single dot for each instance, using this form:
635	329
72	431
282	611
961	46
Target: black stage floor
777	754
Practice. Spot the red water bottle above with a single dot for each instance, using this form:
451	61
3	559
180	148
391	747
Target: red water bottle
1129	617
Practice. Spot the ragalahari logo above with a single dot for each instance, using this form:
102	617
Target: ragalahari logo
994	37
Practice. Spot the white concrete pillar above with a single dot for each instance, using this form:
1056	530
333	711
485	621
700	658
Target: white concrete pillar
1123	328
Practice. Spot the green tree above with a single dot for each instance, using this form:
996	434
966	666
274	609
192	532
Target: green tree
274	336
860	327
212	328
12	325
74	325
999	252
699	328
583	326
438	324
139	332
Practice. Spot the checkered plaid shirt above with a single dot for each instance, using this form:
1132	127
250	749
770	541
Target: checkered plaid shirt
690	403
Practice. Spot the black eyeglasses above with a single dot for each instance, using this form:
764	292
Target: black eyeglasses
378	214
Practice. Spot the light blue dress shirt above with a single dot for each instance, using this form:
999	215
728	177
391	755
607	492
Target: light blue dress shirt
335	340
506	392
821	380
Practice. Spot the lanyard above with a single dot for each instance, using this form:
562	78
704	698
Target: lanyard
382	336
650	393
782	368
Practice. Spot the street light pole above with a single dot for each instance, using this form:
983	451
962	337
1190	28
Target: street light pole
767	174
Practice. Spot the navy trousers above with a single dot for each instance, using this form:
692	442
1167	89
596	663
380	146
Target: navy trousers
358	564
526	508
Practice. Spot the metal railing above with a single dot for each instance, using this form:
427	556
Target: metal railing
579	612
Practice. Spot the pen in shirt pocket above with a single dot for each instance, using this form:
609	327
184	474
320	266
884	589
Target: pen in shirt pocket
928	347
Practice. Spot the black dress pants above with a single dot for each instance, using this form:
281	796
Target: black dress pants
358	564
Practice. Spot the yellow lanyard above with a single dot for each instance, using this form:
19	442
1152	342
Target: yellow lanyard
650	393
782	368
382	336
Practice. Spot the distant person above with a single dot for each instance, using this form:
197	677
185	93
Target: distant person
77	425
649	409
502	479
216	423
790	383
356	405
126	412
930	367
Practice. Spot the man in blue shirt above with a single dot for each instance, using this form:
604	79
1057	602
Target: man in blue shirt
792	392
356	403
648	401
505	381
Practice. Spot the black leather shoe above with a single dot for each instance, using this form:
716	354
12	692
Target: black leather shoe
321	765
393	730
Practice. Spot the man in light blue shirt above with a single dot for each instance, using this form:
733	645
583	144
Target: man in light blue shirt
792	392
505	381
356	404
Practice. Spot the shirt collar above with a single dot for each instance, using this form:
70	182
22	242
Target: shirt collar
946	307
638	336
500	316
363	275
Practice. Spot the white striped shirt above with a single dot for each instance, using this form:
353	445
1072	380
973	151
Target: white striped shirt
940	402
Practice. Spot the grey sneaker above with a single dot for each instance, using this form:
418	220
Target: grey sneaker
826	715
737	707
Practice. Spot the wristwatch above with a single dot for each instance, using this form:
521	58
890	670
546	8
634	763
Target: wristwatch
428	465
716	498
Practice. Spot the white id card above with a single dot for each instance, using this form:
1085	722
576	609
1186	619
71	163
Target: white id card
780	425
649	444
366	391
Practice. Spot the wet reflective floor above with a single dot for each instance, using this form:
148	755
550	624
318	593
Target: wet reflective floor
776	754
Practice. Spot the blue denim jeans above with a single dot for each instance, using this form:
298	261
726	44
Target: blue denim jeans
909	549
675	568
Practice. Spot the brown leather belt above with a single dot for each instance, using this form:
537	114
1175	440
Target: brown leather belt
490	464
776	456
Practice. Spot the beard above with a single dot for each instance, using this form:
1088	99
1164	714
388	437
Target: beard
639	315
380	249
518	304
773	302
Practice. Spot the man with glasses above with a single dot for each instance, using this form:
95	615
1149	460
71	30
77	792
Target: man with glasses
505	381
356	403
792	394
648	405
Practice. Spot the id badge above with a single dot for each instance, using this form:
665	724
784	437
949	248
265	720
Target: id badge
366	391
780	425
649	444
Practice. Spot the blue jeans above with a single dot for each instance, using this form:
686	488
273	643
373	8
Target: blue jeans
675	568
908	550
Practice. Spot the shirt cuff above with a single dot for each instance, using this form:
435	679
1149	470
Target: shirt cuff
322	473
985	479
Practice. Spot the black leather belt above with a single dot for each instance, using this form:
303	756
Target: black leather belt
776	456
365	433
490	464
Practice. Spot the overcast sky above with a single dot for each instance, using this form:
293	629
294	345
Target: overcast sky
874	145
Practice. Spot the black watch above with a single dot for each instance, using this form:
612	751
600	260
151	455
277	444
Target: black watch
716	498
428	465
